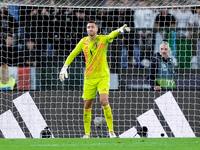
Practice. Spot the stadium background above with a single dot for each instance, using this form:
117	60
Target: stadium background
61	104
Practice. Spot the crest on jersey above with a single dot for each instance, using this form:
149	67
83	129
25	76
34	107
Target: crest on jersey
164	67
95	45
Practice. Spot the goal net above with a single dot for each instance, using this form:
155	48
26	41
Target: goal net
38	35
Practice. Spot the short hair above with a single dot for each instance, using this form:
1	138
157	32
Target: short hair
92	21
165	43
30	40
5	36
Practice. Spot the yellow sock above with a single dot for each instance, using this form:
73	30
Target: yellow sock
87	120
109	117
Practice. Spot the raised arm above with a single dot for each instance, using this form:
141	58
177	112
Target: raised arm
115	33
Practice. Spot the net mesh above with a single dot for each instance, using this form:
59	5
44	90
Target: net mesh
37	36
105	3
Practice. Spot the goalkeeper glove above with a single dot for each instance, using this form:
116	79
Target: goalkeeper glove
63	73
124	28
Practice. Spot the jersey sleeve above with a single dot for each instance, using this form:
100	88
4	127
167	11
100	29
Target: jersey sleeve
74	53
111	36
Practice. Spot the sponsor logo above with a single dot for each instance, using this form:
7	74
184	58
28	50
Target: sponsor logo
33	119
104	90
172	114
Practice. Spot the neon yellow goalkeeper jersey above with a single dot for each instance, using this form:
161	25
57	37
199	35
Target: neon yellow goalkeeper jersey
95	55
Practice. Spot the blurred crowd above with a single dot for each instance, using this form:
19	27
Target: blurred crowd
33	36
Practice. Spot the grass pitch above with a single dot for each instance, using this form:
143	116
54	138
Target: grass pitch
101	144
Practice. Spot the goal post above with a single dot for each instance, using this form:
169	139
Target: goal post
106	3
37	36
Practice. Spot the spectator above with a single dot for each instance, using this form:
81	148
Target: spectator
6	82
42	24
78	24
197	24
184	19
197	16
123	16
28	20
9	52
60	30
35	24
4	74
55	29
163	20
7	21
161	73
102	20
14	11
30	57
121	49
143	18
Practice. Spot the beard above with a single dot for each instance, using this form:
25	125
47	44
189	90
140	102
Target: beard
91	33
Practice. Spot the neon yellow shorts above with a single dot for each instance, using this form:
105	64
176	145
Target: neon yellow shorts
92	85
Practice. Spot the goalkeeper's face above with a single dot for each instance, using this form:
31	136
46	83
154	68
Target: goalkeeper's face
92	29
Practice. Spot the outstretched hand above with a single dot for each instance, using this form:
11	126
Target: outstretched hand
63	73
124	28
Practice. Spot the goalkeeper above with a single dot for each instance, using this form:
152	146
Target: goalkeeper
97	75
